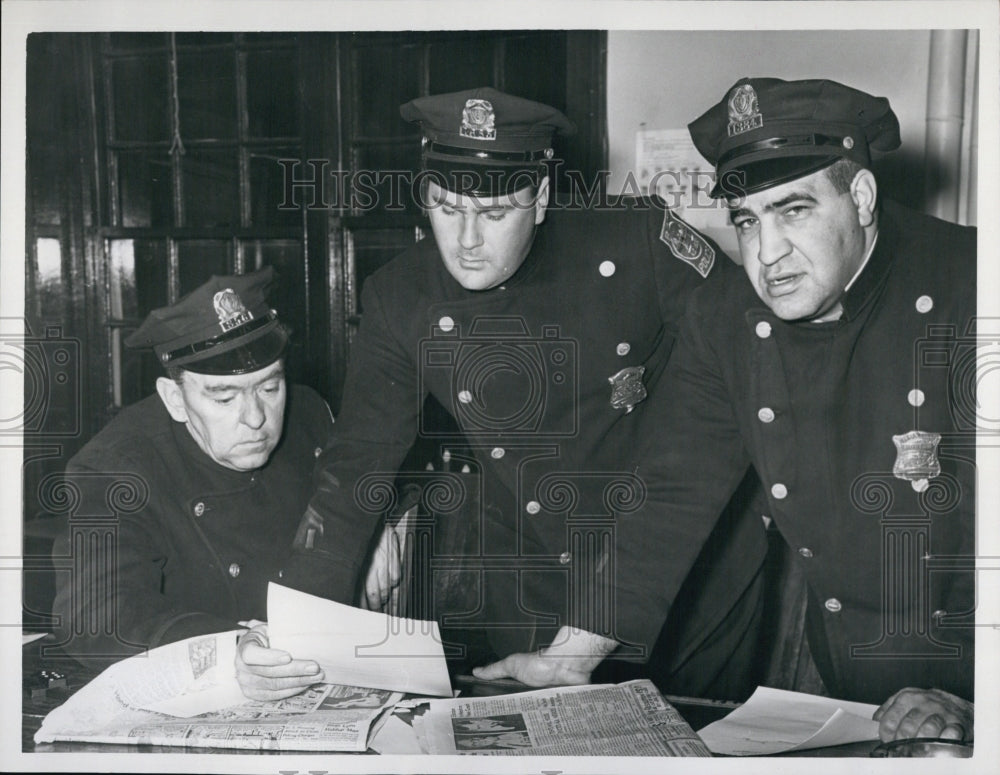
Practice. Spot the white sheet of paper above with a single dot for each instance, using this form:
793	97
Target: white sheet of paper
773	721
356	647
188	693
395	737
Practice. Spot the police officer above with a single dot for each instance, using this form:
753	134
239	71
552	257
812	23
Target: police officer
543	332
839	364
210	475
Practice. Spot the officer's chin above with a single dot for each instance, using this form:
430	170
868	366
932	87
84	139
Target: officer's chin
248	462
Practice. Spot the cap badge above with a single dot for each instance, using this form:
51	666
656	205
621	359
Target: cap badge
916	456
744	113
687	244
626	388
230	310
478	120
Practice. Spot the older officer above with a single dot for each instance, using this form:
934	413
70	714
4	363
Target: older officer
839	364
541	331
220	461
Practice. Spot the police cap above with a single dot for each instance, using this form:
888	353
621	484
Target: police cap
767	131
484	142
222	327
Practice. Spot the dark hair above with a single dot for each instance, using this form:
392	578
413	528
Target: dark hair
176	373
842	173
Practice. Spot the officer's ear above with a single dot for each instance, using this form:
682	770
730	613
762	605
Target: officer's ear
541	200
864	191
172	396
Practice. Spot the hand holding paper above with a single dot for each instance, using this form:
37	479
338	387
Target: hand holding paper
268	674
355	647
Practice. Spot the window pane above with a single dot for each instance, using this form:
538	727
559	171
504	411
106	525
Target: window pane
535	67
206	86
387	76
269	37
137	370
375	189
139	278
460	64
287	294
198	260
141	98
211	186
45	170
375	247
145	188
267	187
50	301
203	38
122	291
136	40
272	93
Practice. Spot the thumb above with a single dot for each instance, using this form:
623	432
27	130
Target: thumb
499	669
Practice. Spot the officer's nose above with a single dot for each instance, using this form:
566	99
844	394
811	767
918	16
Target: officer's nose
252	414
471	236
772	244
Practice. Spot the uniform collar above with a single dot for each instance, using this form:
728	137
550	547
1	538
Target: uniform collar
867	282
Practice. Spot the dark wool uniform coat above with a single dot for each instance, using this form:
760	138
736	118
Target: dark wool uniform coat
527	371
814	407
186	546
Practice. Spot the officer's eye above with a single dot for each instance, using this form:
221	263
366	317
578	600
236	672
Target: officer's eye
796	211
495	215
223	400
744	224
272	389
448	210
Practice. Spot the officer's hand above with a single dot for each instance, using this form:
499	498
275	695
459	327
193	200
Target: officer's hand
570	659
384	573
271	674
924	713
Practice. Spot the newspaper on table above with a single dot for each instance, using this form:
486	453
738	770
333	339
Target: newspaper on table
628	719
186	694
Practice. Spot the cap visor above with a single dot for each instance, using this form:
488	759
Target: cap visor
494	179
243	358
738	182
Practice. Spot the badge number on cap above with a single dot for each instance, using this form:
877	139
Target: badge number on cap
744	113
229	307
478	120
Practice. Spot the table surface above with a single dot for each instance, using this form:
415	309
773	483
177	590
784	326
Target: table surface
44	655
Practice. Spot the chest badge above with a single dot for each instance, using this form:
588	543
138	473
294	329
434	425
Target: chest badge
626	388
916	456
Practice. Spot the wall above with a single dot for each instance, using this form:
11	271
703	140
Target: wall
665	79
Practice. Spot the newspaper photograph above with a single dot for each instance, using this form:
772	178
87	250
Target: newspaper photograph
629	719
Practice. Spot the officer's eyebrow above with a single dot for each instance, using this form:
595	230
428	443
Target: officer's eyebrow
484	208
794	196
229	387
